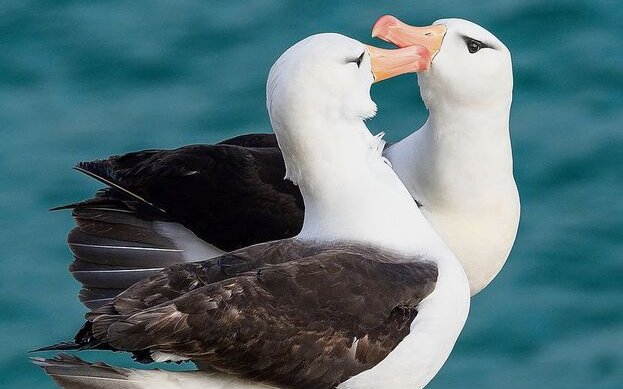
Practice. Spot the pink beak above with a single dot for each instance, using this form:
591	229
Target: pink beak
392	30
390	63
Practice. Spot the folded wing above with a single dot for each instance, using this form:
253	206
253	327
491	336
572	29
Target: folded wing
312	322
173	206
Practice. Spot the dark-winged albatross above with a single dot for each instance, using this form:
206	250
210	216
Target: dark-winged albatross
367	295
172	206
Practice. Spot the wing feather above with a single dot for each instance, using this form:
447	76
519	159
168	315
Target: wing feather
290	323
164	207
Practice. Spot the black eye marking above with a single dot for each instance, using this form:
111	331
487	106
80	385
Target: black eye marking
474	45
360	59
357	60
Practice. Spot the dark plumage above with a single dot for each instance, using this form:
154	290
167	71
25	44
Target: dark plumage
285	312
69	371
230	195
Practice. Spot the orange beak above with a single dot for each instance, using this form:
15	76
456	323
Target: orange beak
392	30
391	63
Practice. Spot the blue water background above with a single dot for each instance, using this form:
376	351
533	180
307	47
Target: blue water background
82	80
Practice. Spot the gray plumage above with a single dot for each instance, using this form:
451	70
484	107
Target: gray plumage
114	249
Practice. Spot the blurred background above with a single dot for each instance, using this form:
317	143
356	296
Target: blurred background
84	80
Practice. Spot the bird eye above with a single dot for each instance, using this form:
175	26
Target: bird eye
473	45
357	60
360	59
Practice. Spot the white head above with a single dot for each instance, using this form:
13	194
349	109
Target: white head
320	87
318	95
472	68
322	74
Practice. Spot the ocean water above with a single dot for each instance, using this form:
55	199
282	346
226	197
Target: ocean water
83	80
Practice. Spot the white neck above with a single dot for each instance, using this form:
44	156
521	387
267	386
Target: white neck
350	193
454	149
459	167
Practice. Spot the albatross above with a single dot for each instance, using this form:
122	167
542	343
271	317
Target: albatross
366	295
163	207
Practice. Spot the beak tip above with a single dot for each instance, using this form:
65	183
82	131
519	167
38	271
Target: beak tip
392	30
387	20
381	27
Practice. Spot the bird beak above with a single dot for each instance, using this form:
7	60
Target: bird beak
392	30
391	63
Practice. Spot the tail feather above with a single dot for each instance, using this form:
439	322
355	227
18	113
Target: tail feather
96	297
113	216
102	172
96	203
102	250
113	249
97	303
71	372
105	278
121	238
58	347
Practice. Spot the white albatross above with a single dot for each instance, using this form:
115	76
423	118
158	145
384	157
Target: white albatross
367	295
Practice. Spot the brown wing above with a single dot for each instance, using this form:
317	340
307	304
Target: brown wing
178	280
309	323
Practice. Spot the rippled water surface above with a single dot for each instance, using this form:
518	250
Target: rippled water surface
82	80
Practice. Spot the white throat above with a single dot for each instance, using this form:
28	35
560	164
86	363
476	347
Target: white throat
459	166
350	192
455	149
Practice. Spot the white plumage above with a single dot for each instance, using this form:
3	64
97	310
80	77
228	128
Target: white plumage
459	165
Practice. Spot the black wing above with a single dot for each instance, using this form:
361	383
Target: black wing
229	196
213	198
313	322
252	140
